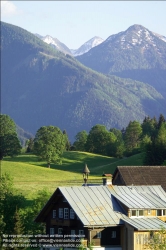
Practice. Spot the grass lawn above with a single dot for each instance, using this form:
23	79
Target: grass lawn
30	175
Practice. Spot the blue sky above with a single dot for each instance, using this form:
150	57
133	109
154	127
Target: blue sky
75	22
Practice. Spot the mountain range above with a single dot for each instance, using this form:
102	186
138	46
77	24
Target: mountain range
55	43
136	53
42	86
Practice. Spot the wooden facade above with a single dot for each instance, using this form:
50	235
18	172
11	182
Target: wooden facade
109	236
62	216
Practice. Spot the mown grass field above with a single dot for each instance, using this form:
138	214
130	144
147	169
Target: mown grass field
30	175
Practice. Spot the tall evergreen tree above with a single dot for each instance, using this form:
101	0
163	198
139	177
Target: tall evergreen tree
149	127
156	150
160	121
132	136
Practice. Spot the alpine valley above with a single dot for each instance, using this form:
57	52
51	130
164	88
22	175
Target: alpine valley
41	85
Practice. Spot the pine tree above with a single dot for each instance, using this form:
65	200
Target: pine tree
160	121
156	149
132	136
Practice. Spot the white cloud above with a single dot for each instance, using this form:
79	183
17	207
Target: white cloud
8	8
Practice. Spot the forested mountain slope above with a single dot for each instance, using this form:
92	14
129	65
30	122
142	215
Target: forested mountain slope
42	86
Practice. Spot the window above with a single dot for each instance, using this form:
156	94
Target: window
140	212
161	212
113	234
133	212
60	231
54	214
51	231
81	233
66	213
72	234
98	235
72	215
60	212
137	213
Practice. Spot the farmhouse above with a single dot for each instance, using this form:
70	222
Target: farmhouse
108	216
140	175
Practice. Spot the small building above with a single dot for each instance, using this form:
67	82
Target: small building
109	217
140	175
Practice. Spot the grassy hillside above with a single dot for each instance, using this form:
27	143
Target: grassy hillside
30	175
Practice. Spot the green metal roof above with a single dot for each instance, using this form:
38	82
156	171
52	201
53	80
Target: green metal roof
99	205
145	223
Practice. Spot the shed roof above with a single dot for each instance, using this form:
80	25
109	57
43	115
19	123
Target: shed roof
146	223
141	175
144	197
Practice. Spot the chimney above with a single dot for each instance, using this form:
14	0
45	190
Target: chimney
107	179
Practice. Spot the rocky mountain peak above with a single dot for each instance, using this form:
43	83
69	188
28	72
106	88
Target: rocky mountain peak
87	46
135	36
135	27
55	43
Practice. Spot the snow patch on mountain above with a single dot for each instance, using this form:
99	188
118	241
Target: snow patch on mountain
163	38
55	43
49	40
95	41
135	35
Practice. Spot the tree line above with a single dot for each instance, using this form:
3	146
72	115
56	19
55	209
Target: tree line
148	137
50	142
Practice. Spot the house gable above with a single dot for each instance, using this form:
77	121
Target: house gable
56	201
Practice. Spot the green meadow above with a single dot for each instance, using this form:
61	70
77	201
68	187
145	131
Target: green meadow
30	175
